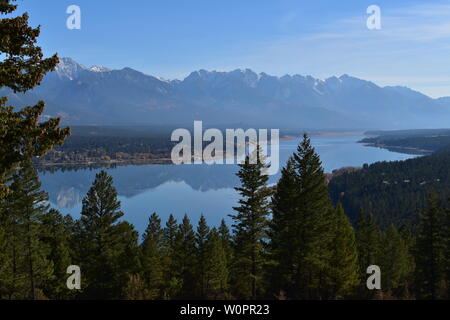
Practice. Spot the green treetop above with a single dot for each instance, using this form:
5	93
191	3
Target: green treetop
22	135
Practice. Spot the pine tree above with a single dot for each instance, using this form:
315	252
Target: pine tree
55	234
430	252
22	136
172	279
344	261
395	263
26	205
22	68
6	275
103	240
186	258
302	228
225	237
152	258
250	227
281	236
201	237
409	238
128	264
368	240
216	268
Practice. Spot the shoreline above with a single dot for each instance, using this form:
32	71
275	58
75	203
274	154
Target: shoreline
399	149
126	162
43	165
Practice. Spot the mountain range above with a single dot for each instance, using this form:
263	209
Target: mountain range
102	96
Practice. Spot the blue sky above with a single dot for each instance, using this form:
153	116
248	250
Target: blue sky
171	38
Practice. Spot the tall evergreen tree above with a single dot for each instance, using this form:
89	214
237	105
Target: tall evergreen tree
170	232
152	258
250	227
216	268
201	237
430	251
281	235
395	263
128	265
22	135
27	204
102	240
56	235
186	258
302	228
368	240
10	283
8	244
5	275
225	236
408	235
22	68
344	261
172	279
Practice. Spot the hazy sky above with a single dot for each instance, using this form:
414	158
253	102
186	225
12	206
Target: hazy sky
169	38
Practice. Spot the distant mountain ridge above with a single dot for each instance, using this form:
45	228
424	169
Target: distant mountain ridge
102	96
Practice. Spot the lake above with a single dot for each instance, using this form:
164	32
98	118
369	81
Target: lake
194	189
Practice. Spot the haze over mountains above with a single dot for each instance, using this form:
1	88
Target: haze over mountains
101	96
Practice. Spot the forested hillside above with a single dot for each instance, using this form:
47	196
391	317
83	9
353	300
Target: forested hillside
394	192
411	141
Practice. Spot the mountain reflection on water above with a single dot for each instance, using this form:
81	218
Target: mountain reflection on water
192	189
67	187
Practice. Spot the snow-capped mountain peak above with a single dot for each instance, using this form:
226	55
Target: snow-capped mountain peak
68	68
99	69
130	96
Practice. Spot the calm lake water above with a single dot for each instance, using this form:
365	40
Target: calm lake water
194	189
